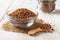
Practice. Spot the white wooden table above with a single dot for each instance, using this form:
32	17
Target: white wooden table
54	19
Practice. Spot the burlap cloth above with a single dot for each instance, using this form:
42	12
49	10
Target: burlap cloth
8	26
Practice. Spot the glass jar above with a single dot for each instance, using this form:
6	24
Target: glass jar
47	6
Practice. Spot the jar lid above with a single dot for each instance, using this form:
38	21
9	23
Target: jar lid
47	0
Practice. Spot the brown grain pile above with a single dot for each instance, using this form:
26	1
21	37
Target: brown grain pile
22	13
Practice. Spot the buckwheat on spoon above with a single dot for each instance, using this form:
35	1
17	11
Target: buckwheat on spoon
41	28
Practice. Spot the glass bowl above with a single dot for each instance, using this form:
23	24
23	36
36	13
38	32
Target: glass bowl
22	23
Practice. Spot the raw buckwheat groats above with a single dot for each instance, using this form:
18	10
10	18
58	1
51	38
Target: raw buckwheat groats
22	13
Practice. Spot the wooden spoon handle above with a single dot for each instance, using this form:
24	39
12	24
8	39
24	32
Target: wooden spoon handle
34	31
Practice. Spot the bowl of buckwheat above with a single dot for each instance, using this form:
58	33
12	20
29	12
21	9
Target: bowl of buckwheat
22	17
